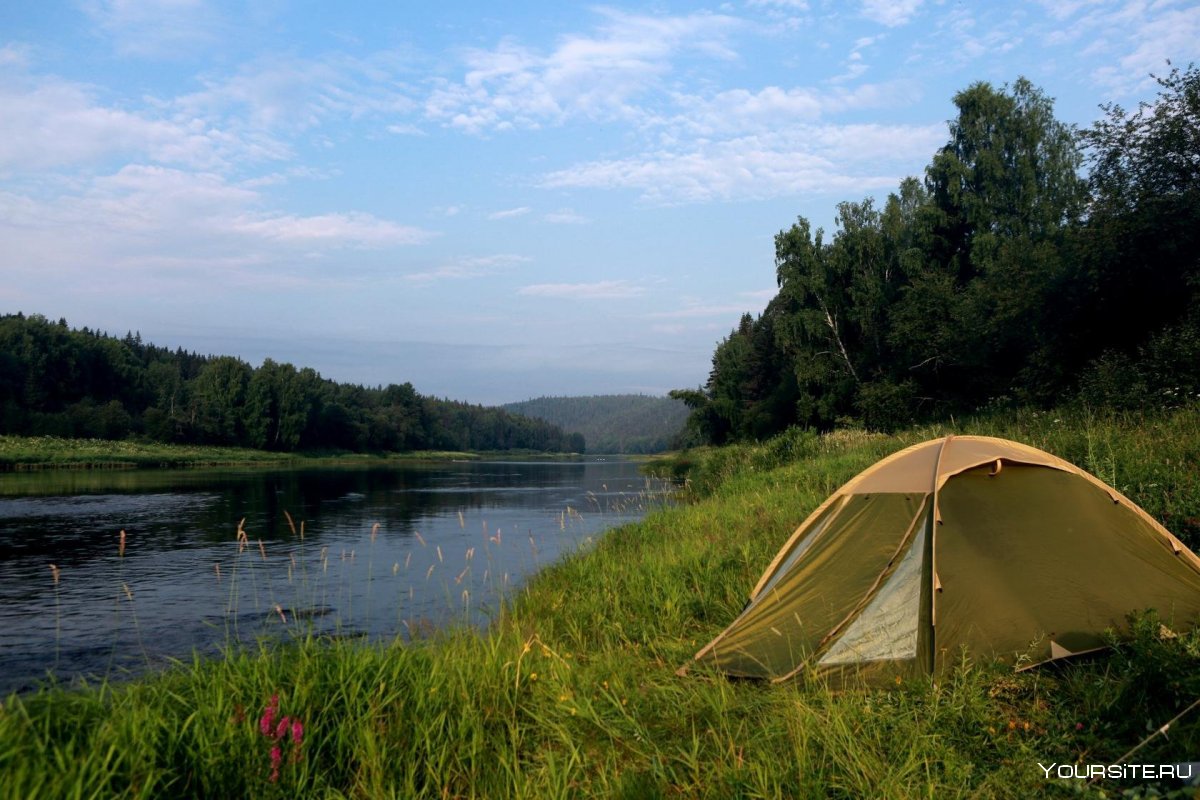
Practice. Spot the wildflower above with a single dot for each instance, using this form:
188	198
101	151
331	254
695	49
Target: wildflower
1078	726
277	731
533	676
282	728
276	760
268	718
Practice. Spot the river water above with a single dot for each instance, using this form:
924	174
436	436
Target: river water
373	552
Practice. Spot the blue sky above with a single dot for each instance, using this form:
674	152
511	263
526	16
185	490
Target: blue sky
492	201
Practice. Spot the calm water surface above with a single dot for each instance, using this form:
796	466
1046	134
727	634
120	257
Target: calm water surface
385	552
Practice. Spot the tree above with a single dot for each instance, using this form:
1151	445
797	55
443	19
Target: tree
1003	193
1137	260
218	400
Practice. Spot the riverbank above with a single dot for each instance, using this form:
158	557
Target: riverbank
27	453
573	691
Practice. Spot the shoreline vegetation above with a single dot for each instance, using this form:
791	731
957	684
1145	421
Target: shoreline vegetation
35	453
572	691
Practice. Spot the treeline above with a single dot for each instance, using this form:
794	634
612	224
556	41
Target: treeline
79	383
613	423
1033	265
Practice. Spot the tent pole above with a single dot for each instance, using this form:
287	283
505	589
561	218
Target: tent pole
935	585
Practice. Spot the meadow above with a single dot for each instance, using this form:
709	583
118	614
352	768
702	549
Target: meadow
572	692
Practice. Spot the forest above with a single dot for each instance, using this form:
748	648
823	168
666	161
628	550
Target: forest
58	381
1034	265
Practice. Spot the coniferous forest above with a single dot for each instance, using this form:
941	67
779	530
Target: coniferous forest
1034	264
57	381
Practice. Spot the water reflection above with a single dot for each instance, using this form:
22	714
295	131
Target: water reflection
375	551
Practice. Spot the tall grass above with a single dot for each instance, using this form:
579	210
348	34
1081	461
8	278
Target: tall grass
572	691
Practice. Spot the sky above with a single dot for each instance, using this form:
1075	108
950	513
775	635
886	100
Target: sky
491	201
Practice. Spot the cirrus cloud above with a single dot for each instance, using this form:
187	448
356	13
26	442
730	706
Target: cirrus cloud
599	290
839	160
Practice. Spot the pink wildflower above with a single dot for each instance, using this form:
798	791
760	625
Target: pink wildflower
282	728
268	717
297	740
276	760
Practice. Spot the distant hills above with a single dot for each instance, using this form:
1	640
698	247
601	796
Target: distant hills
615	423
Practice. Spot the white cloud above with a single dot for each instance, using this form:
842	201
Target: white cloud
1064	9
793	5
13	55
838	160
891	13
510	213
598	76
1173	33
341	229
49	122
564	216
473	267
741	111
157	28
406	129
148	224
854	69
600	290
290	95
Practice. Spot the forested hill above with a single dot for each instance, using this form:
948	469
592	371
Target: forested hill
1034	264
80	383
615	423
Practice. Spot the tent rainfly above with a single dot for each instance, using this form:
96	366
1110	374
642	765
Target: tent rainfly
962	542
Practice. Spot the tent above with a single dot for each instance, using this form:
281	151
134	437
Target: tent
961	542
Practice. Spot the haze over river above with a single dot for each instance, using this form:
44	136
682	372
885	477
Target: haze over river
451	538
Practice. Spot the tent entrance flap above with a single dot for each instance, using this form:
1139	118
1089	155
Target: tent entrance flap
887	627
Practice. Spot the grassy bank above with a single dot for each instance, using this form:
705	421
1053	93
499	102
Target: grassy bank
573	691
18	453
21	453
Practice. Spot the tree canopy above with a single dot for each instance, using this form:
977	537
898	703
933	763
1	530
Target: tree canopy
1007	275
80	383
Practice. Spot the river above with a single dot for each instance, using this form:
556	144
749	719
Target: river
377	552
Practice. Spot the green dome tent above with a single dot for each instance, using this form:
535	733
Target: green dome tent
961	542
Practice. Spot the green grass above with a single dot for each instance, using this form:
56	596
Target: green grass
573	691
21	453
52	452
